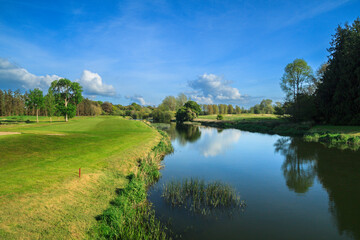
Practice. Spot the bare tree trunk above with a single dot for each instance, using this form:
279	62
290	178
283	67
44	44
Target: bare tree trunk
37	115
66	115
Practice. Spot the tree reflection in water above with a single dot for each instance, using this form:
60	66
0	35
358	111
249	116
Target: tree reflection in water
184	133
337	170
299	168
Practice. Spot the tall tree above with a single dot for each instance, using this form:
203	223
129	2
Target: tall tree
67	96
296	79
181	99
50	105
168	104
2	103
35	101
338	94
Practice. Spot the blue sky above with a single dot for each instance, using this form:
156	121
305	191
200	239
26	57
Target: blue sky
123	51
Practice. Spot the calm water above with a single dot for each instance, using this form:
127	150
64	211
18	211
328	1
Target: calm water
293	189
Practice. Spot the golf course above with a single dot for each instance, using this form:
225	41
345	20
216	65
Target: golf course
41	192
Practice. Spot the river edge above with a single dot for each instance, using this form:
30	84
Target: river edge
130	215
305	130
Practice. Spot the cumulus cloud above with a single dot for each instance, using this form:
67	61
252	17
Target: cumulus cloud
12	76
137	99
93	84
209	88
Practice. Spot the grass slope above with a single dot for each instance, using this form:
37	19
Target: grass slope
41	195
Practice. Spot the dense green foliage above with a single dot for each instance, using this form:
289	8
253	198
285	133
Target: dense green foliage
193	106
338	94
297	79
162	116
265	107
50	105
185	114
67	95
188	112
219	117
35	101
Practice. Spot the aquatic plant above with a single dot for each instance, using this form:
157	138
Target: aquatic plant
201	197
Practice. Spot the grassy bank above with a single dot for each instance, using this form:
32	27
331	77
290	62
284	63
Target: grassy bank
263	123
130	216
41	194
343	137
332	136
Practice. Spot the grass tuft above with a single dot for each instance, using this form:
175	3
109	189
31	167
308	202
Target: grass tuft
201	197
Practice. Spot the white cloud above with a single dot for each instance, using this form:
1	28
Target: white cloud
93	85
12	76
137	99
210	88
212	144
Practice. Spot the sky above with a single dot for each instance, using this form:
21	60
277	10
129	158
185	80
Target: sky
142	51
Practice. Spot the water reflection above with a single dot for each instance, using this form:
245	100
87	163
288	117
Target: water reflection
299	168
211	141
337	170
311	190
215	143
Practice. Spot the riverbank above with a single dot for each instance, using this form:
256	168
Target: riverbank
41	194
343	137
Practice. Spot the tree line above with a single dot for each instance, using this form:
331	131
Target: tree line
332	94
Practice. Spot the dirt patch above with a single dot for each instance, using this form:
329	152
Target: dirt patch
9	133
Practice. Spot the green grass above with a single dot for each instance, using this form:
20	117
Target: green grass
41	195
242	117
131	216
201	197
11	120
349	130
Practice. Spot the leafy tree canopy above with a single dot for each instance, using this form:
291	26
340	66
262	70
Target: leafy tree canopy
67	96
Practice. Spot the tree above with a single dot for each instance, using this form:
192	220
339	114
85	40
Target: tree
181	100
50	105
279	109
338	95
35	101
107	107
67	96
168	104
193	106
297	78
2	103
231	109
185	114
237	109
266	106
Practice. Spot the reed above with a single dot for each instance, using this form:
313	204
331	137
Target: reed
201	197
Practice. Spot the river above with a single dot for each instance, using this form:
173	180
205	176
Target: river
293	189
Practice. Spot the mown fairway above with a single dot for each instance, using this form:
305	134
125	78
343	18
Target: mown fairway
41	194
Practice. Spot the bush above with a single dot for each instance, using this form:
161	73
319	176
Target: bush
219	117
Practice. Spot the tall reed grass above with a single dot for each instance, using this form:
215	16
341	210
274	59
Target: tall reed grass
201	197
